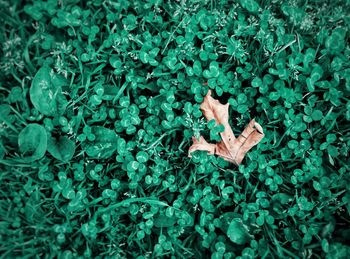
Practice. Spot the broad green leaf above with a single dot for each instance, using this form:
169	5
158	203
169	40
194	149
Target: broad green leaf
238	232
104	145
46	92
32	142
62	149
162	221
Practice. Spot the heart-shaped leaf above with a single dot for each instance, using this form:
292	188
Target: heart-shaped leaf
62	149
213	70
170	62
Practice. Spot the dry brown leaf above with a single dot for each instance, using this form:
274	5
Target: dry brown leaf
202	145
230	148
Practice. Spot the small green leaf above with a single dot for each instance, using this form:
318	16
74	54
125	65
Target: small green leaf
142	157
309	56
115	61
144	57
250	5
260	220
274	96
242	98
257	82
317	115
316	73
197	68
170	62
154	52
325	245
133	166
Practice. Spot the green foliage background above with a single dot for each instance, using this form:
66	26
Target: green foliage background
100	99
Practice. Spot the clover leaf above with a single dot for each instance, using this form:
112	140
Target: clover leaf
250	5
336	41
316	75
213	70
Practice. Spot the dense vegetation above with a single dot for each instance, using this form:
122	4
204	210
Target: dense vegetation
99	101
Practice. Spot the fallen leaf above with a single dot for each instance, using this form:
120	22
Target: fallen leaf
202	145
230	148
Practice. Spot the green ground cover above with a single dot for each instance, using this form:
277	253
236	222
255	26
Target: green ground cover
99	101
